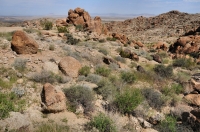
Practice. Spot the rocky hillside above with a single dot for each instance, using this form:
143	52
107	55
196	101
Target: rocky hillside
78	75
164	26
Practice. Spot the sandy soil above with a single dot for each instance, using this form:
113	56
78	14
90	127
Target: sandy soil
10	29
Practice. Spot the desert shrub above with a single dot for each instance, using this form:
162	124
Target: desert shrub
102	123
47	25
183	62
93	78
50	127
173	89
164	71
62	30
79	27
6	35
128	101
71	40
102	40
10	102
111	39
195	54
103	71
154	98
106	89
51	47
20	64
30	30
44	77
128	77
78	95
120	59
168	125
84	70
10	74
104	51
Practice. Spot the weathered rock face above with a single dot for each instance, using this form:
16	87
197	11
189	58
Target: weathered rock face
186	45
23	44
61	23
53	99
122	38
81	17
161	45
69	66
193	99
157	58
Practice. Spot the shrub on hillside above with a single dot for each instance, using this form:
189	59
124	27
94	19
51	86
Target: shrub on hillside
168	125
47	25
20	64
71	40
102	123
104	51
103	71
62	30
50	127
78	95
128	101
183	62
84	70
164	71
128	77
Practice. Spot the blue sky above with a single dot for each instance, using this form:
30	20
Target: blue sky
61	7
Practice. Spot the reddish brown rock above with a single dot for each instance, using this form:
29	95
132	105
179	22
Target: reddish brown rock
23	44
61	23
160	45
157	58
53	99
139	43
193	99
122	38
69	66
126	53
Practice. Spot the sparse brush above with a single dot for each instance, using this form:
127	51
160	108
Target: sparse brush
52	47
104	51
78	95
20	64
164	71
128	77
184	62
102	123
62	30
51	127
103	71
84	71
47	25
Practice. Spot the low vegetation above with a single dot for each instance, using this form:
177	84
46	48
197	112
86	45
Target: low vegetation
164	71
20	64
102	123
62	30
84	71
47	25
78	95
184	63
51	127
103	71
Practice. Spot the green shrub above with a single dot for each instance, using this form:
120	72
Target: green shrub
6	35
50	127
111	39
78	95
106	89
183	62
168	125
10	102
62	30
30	30
93	78
79	27
104	51
20	64
47	25
102	123
103	71
164	71
102	40
154	98
174	89
128	101
84	70
51	47
120	59
128	77
71	40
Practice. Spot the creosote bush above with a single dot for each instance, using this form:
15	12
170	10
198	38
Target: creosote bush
51	47
102	123
78	95
84	71
71	40
104	51
168	125
164	71
128	100
103	71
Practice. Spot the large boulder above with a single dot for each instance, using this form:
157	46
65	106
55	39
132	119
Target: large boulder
53	99
23	44
81	17
121	37
193	99
70	66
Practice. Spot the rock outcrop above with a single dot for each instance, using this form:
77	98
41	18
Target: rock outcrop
70	66
53	99
23	44
80	17
126	53
122	38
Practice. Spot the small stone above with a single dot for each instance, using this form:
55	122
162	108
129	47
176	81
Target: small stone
20	81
